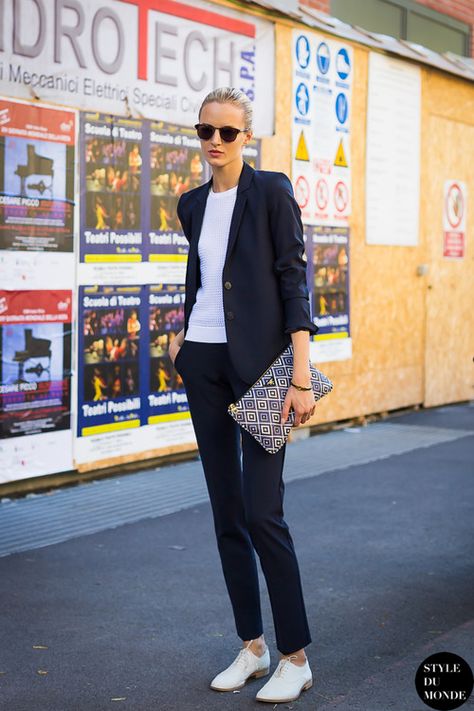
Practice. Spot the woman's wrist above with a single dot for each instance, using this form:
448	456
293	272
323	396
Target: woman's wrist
178	341
301	388
302	378
301	371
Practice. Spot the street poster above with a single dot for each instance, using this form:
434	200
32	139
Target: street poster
112	209
166	393
328	262
323	72
176	166
109	349
35	382
37	146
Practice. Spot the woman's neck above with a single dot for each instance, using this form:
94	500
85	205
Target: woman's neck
226	177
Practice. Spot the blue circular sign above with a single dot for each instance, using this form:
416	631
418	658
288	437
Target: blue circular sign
343	63
302	98
342	108
323	57
303	51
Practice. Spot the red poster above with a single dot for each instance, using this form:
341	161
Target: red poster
36	177
35	363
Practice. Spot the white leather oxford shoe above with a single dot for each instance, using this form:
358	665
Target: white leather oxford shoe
287	682
245	665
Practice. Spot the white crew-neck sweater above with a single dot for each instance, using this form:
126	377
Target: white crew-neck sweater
206	321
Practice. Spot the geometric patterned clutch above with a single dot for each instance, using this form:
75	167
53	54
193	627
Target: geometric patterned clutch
259	409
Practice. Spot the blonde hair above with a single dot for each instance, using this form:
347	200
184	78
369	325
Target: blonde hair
228	94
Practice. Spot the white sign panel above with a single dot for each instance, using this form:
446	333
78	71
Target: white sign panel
321	103
154	60
392	172
144	439
35	455
454	218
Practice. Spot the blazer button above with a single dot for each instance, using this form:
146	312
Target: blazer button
230	314
228	285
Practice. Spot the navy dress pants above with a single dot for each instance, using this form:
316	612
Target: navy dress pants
246	488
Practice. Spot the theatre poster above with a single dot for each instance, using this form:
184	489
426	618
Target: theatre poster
327	251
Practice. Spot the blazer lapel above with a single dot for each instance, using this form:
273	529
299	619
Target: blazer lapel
197	210
245	180
240	201
199	207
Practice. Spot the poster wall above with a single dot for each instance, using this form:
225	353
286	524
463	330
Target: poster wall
132	174
37	156
327	250
35	382
111	217
321	128
137	59
130	397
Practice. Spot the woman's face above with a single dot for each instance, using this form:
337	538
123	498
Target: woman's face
223	115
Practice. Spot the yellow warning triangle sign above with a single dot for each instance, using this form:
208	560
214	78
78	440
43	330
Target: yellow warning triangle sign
302	148
341	156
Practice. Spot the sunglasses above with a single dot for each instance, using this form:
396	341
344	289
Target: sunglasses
228	133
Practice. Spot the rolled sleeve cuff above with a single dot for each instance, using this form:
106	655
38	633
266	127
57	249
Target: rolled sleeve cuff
297	316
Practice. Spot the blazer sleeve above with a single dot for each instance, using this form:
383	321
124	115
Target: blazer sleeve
287	235
181	212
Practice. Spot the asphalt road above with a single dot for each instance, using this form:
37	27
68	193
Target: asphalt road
137	616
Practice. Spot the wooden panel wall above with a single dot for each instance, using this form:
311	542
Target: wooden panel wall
386	296
448	150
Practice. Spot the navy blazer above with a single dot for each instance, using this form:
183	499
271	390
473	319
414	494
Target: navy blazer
265	294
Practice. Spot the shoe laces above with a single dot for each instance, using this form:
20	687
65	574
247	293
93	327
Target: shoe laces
242	658
283	664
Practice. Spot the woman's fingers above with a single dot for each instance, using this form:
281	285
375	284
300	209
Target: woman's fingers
302	413
306	416
286	409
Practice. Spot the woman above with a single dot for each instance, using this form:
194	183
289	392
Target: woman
246	299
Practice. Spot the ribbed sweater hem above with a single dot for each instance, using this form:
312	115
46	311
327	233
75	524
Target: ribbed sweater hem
208	334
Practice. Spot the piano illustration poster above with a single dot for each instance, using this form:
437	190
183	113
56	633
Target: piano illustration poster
111	327
37	147
35	363
112	172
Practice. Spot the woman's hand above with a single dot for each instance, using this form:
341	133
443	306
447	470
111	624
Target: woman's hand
302	402
175	345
